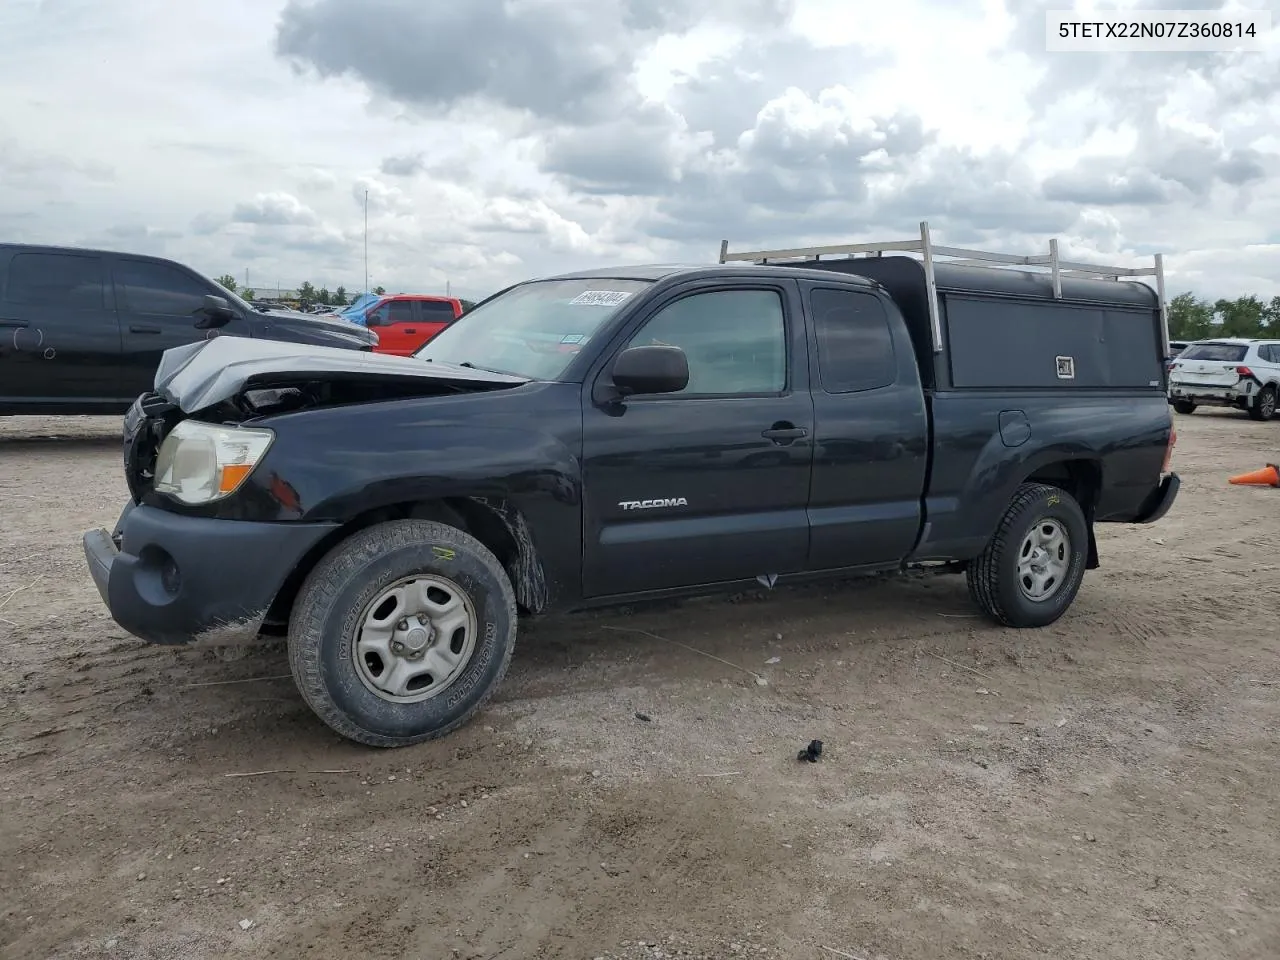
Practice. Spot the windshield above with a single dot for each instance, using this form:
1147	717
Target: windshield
1225	352
534	330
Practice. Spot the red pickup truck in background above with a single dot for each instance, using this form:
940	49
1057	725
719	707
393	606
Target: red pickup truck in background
405	321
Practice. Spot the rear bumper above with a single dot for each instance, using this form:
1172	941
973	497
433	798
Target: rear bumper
1237	395
172	579
1161	499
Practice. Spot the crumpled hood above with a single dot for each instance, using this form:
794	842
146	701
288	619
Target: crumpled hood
198	375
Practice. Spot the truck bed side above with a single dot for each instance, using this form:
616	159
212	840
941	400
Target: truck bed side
1106	450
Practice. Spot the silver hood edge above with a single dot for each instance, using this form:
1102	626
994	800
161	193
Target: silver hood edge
200	375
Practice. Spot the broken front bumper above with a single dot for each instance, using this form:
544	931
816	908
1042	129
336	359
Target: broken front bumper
171	579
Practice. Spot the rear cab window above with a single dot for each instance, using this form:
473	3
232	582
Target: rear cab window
436	311
855	341
66	280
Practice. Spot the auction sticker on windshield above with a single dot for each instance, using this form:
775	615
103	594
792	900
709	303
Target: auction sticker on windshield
600	298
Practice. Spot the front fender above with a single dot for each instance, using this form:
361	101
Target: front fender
517	456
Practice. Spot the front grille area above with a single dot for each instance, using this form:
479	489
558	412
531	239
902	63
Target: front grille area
145	425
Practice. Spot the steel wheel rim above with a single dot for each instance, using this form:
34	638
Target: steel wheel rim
414	639
1043	560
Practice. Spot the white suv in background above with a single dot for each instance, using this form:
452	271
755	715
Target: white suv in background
1227	372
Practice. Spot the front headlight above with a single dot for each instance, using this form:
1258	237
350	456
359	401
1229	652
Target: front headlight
203	462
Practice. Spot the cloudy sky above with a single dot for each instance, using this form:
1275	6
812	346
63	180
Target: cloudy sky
500	139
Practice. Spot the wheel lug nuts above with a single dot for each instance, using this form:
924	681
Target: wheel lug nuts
422	619
402	625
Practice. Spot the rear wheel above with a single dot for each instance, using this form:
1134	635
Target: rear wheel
402	632
1265	406
1031	570
1184	406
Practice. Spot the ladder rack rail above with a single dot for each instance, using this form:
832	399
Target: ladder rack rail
964	256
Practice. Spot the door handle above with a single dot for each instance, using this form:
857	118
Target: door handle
410	329
783	433
135	328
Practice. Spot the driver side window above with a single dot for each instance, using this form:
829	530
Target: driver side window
392	311
735	341
158	289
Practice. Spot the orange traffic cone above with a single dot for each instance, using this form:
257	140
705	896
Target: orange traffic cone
1268	476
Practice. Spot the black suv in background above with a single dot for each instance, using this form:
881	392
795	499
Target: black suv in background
82	331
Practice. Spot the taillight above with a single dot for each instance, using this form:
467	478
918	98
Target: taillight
1244	372
1168	451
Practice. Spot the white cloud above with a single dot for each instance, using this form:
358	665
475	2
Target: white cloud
274	209
620	130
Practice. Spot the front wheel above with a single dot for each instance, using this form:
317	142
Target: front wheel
1184	406
402	632
1265	407
1032	568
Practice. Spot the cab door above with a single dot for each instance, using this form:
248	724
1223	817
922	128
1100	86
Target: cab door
59	338
395	321
710	484
159	304
435	316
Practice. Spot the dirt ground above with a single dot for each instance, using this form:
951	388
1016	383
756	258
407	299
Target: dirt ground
1104	788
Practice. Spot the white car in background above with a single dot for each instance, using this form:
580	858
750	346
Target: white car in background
1227	372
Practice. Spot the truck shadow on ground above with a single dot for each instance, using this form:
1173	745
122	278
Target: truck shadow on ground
214	702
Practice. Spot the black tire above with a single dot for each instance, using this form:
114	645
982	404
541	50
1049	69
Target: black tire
993	577
1184	406
334	598
1265	407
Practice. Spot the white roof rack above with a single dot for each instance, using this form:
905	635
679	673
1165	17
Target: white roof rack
963	256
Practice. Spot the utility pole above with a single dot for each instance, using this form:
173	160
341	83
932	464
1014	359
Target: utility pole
366	241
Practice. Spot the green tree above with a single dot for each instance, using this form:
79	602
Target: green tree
467	305
340	297
324	296
248	293
228	281
306	294
1190	318
379	290
1271	318
1241	317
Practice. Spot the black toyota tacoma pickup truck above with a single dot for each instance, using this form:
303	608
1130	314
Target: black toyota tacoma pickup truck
615	435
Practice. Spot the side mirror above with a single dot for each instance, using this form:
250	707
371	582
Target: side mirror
373	318
651	369
216	312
